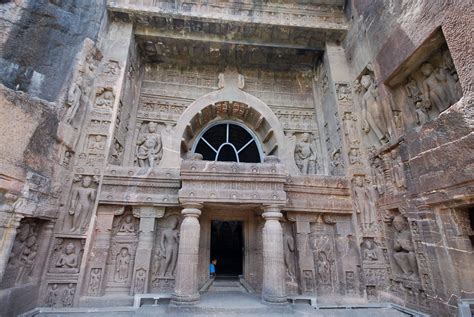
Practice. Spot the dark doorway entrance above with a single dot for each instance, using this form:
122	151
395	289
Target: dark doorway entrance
227	247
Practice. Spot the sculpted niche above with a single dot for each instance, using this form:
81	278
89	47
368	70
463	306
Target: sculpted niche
149	148
402	247
373	116
305	154
432	88
165	253
81	204
24	253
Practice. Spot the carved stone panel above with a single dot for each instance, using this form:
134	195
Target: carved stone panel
165	253
121	255
66	256
60	295
24	254
81	204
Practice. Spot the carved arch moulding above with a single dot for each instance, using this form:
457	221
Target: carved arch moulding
229	103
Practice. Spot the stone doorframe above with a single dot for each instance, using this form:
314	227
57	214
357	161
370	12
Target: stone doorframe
217	213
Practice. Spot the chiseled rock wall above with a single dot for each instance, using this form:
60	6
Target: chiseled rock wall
39	40
422	177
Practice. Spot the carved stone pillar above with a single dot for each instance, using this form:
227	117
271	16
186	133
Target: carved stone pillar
141	271
303	251
186	289
274	288
46	235
7	239
100	249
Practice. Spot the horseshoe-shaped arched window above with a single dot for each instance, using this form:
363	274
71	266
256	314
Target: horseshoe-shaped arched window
228	141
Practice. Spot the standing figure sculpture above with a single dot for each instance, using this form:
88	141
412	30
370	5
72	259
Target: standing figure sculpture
68	295
82	202
324	269
372	111
379	176
436	87
404	252
305	155
149	150
362	202
289	249
52	296
169	243
122	264
73	100
398	174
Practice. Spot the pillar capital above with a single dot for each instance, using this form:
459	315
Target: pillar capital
191	209
272	212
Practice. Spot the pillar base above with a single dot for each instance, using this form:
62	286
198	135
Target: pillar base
185	300
274	300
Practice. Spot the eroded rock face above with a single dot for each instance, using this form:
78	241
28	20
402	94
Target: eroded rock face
358	187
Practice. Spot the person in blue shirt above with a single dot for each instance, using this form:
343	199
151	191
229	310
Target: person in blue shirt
212	267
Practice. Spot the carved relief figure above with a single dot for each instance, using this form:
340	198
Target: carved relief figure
27	257
104	98
94	282
127	226
52	296
68	259
369	250
362	201
421	111
122	264
68	295
74	98
149	150
350	129
23	253
324	269
289	249
169	243
404	254
436	88
82	202
354	156
305	155
412	90
337	164
398	175
140	279
373	118
379	176
453	79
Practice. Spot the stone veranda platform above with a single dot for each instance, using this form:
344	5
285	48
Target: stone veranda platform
229	304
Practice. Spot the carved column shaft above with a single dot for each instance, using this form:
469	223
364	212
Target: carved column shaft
305	257
274	288
46	235
186	288
7	239
100	246
144	248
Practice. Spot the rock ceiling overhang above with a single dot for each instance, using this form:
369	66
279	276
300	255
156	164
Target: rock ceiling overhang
292	32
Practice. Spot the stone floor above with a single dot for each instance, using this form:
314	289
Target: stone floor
225	303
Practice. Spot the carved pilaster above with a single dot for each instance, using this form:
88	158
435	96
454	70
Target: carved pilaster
141	271
8	237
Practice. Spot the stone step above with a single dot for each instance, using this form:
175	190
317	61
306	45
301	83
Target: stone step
227	285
